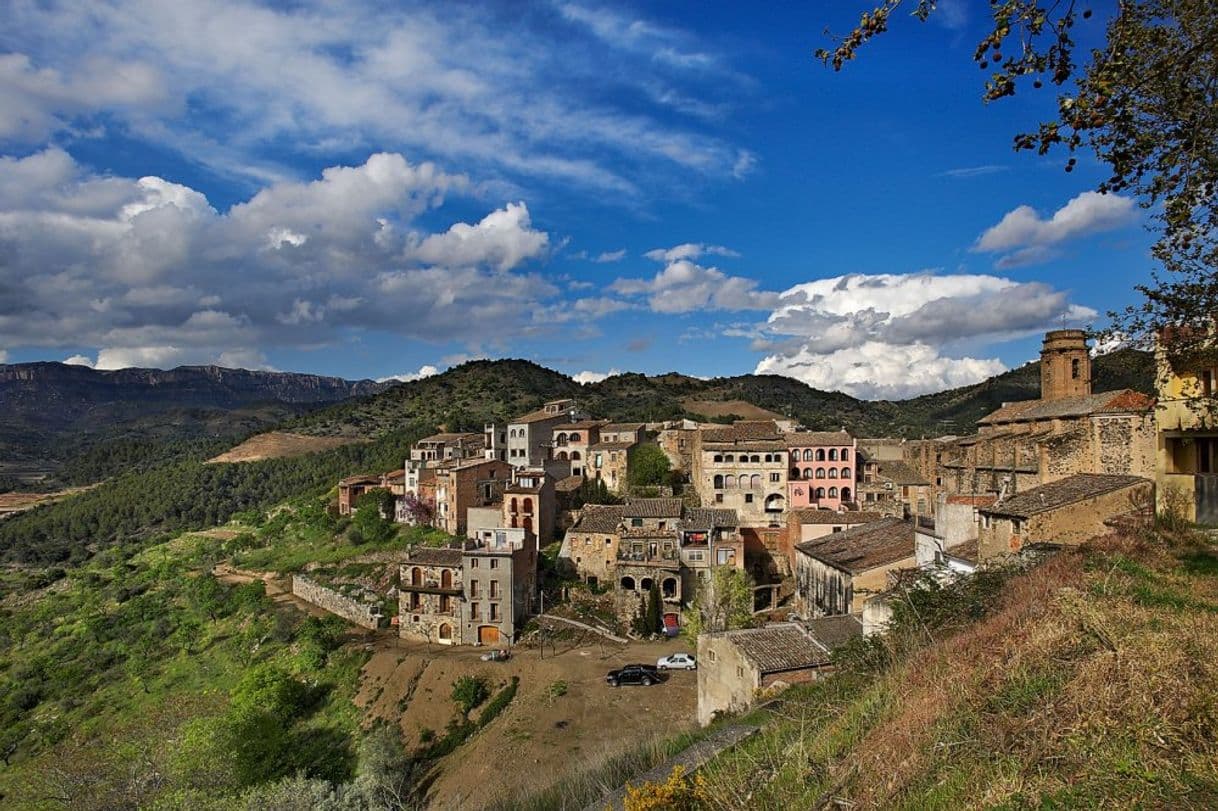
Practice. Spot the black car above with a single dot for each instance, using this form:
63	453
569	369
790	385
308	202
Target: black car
645	675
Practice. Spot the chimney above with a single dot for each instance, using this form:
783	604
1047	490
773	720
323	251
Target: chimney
1065	365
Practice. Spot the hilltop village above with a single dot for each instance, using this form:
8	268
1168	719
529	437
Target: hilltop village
822	523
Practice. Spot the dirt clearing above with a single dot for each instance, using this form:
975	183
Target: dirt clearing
280	444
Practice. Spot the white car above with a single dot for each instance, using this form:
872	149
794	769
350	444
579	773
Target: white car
677	661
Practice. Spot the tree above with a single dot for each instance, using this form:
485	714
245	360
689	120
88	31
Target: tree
421	512
649	466
1146	104
723	601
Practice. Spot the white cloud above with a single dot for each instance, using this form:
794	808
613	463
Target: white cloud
610	256
426	370
79	360
1025	237
897	335
688	250
684	285
151	274
458	82
3	356
975	171
585	377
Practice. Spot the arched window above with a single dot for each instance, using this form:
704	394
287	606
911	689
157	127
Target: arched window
755	458
775	503
528	523
807	473
512	505
820	492
575	436
560	439
528	505
727	457
446	579
628	583
446	632
730	482
833	454
744	481
769	457
820	454
845	473
575	457
845	454
755	481
832	473
718	481
718	457
820	473
845	494
416	576
832	492
669	587
645	584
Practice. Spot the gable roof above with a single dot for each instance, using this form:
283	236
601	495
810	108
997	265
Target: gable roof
863	547
1054	495
709	518
833	632
618	427
778	647
1123	401
812	439
743	431
901	473
599	518
431	556
816	516
653	508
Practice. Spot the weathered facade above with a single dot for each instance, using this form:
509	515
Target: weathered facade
590	545
1186	456
894	488
365	614
529	502
1069	511
811	524
529	437
430	590
609	462
837	573
470	483
570	443
351	488
823	469
743	467
736	667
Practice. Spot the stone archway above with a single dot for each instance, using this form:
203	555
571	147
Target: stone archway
444	634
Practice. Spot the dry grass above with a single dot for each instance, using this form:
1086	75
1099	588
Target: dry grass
279	444
1093	684
729	408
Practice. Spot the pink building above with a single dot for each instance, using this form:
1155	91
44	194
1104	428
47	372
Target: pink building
823	469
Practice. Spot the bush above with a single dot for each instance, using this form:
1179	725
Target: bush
469	692
499	703
556	689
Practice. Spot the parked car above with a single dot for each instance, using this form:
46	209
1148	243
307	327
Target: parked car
645	675
678	661
496	655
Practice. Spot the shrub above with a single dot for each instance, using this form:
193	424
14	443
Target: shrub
499	703
556	689
677	793
469	692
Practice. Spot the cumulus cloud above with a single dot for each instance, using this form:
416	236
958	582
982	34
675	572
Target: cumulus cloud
79	360
684	285
585	377
426	370
891	336
610	256
151	274
1025	237
461	83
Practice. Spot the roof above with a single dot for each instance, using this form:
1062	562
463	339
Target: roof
835	517
1052	496
394	475
568	484
742	431
968	550
450	437
599	518
362	478
612	446
579	426
540	415
1122	401
431	556
833	632
864	547
813	439
778	647
901	473
709	518
464	464
652	508
974	501
616	427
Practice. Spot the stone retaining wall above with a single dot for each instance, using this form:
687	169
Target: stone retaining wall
367	616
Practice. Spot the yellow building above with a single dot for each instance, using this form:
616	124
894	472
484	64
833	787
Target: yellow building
1186	462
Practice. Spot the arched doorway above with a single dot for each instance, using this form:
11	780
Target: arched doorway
628	583
445	633
669	588
645	584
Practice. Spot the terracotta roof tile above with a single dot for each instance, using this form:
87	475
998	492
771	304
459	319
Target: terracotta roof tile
864	547
779	647
653	508
1051	496
813	516
742	431
599	518
813	439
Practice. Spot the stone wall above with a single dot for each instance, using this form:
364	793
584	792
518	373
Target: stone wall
362	614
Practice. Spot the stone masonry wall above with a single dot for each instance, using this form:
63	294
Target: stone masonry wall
366	616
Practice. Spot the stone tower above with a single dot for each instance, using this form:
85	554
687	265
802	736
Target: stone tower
1065	365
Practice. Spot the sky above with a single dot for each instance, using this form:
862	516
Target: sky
347	190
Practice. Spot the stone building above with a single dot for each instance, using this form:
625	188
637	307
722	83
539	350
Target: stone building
479	592
351	488
894	488
590	545
823	469
570	442
1068	511
440	449
610	463
1068	430
836	574
649	551
1186	458
743	467
736	667
676	439
529	436
627	432
469	483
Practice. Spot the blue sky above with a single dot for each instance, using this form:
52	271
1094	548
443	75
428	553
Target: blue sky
340	189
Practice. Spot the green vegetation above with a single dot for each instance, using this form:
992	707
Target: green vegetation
469	692
723	601
649	466
499	703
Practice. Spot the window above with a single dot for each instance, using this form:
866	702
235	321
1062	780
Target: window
718	481
832	492
845	473
473	589
1075	369
748	498
696	556
718	498
494	612
775	477
473	564
739	672
711	657
833	454
608	541
494	563
820	473
1207	383
718	457
807	455
837	529
845	454
494	589
636	522
475	611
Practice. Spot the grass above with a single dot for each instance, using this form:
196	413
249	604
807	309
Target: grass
1089	684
